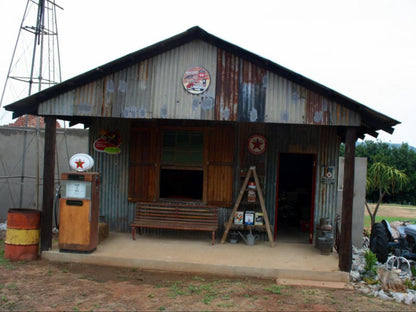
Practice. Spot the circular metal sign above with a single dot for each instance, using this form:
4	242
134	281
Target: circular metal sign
196	80
257	144
81	162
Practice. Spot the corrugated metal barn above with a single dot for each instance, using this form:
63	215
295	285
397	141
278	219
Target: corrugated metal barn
189	109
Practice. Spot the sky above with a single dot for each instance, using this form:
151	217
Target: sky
363	49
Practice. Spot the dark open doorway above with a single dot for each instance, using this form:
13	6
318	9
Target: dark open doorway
295	197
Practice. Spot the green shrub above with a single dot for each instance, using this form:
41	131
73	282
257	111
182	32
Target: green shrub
370	268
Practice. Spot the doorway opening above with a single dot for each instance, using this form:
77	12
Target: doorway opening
295	198
181	184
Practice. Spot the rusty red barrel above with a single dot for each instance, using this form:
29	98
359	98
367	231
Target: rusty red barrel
22	235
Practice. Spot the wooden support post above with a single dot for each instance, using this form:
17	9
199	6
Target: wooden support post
345	248
48	183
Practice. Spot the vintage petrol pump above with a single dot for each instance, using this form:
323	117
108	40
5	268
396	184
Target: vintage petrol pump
79	207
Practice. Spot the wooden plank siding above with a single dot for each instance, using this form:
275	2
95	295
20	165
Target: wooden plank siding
143	161
220	165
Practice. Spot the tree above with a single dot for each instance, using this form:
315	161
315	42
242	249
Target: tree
386	180
400	156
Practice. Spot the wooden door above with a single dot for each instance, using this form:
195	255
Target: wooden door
219	170
144	144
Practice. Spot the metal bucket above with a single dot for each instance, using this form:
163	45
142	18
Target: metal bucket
22	235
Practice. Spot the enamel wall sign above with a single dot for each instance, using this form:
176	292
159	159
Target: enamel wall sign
109	142
328	174
196	80
257	144
81	162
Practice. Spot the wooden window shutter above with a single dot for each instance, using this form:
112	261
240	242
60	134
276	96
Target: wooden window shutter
220	166
143	164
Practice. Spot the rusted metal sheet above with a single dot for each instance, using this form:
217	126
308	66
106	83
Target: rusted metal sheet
285	101
115	90
150	89
239	91
252	93
328	155
317	109
138	93
86	99
113	169
169	98
322	142
288	102
61	105
227	86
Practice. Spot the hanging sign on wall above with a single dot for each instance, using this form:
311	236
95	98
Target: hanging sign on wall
196	80
257	144
109	142
328	174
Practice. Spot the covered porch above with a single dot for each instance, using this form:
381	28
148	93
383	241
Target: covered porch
286	261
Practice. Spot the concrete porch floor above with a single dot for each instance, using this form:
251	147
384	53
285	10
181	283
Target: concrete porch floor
285	261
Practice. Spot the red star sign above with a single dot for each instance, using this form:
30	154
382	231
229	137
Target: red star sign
257	144
79	163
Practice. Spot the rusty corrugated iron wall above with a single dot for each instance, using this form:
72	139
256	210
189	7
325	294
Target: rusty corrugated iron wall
113	169
227	86
239	91
252	91
288	102
169	97
320	141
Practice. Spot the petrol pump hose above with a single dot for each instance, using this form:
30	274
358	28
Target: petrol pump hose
57	197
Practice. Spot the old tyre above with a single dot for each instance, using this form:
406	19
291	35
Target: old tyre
379	240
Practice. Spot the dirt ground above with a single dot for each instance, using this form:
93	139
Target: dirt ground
387	210
51	286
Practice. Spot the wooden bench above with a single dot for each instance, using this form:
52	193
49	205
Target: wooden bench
175	216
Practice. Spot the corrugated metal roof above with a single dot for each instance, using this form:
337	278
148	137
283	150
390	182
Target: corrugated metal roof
252	81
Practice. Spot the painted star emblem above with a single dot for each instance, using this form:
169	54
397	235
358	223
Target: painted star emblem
257	144
80	163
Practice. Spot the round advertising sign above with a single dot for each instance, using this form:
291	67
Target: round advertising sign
257	144
81	162
196	80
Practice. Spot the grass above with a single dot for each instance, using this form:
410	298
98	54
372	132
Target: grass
396	208
367	220
220	291
3	262
274	289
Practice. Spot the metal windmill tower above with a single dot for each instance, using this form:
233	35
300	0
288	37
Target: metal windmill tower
35	65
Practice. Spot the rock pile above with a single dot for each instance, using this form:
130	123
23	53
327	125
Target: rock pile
389	284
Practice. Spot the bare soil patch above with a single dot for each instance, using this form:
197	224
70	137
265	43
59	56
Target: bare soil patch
391	210
51	286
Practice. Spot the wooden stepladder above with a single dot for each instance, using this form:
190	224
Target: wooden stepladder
251	172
